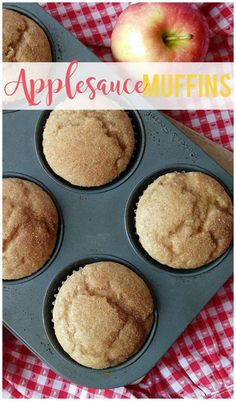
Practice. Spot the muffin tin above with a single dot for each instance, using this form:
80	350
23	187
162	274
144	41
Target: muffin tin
98	224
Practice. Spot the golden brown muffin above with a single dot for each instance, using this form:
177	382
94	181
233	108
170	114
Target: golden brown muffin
184	220
88	147
23	39
103	314
30	224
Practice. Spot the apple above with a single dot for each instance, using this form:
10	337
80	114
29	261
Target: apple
164	32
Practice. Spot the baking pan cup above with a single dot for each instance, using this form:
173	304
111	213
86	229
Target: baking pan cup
38	21
133	164
130	220
51	294
60	228
98	224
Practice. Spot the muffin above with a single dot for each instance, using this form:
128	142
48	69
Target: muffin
30	224
88	148
102	314
23	39
184	220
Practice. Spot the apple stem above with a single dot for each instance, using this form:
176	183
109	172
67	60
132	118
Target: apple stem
178	37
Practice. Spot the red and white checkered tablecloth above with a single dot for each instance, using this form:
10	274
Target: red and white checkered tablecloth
200	363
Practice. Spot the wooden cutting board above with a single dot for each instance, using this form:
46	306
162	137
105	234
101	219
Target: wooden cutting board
223	156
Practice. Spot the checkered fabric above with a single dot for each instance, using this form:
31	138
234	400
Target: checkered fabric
199	364
92	24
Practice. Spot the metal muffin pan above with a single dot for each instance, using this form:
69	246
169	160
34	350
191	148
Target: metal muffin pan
98	224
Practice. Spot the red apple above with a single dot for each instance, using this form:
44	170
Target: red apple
160	32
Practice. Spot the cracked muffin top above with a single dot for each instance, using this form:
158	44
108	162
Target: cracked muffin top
102	314
184	220
30	224
23	39
88	148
